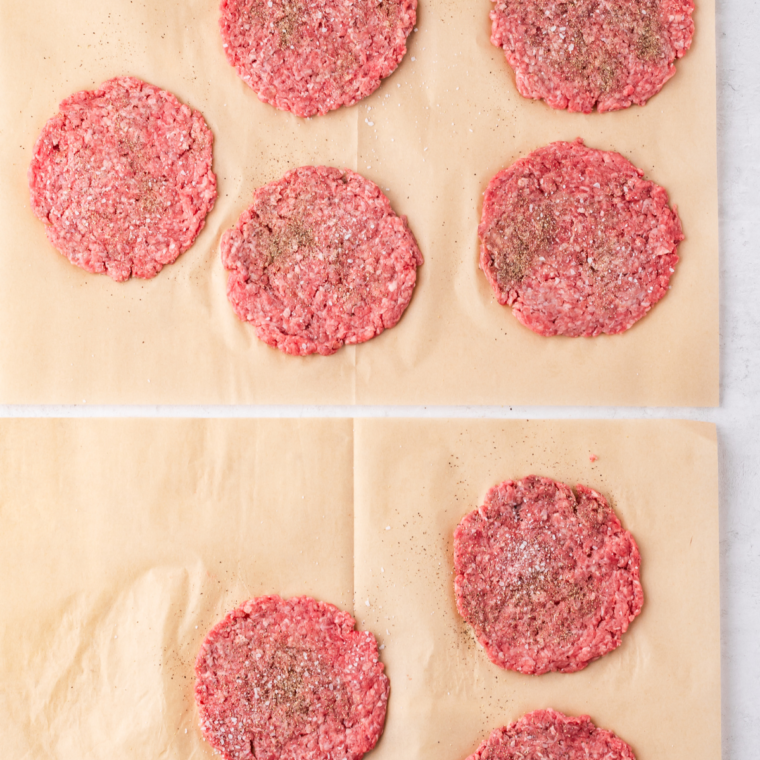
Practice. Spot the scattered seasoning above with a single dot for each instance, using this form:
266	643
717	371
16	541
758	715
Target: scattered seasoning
290	17
293	237
518	238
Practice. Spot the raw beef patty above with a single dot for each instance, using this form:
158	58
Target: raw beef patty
550	735
290	680
589	54
577	241
548	581
310	57
122	177
320	259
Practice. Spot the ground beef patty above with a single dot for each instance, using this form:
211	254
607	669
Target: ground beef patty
122	177
550	735
312	57
320	259
586	53
576	241
290	680
548	581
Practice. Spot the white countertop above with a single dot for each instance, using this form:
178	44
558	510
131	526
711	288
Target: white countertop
738	417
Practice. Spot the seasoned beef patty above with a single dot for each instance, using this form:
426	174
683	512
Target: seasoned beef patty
548	581
550	735
312	57
577	241
122	177
290	679
588	54
319	260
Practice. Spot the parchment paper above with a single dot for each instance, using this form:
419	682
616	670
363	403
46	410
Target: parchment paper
659	691
433	134
123	542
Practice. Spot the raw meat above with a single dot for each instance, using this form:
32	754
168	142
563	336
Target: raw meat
576	241
290	679
122	177
548	581
312	57
320	259
550	735
589	54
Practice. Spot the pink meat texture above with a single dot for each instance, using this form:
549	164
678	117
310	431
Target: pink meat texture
290	679
590	54
312	57
319	260
547	580
550	735
577	241
122	178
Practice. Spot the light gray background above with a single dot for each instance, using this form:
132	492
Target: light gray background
738	418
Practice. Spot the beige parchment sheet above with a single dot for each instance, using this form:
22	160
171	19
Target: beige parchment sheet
433	135
124	541
659	691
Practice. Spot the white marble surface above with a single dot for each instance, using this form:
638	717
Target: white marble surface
737	418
